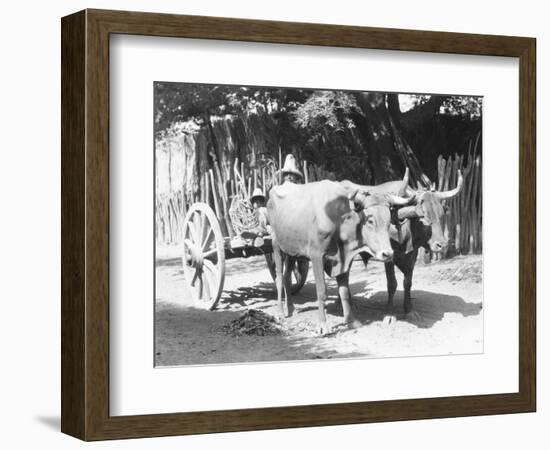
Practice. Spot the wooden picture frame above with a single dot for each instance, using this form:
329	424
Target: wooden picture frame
85	224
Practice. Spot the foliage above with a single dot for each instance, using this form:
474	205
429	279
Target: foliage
465	106
184	102
468	107
411	101
309	109
330	109
349	133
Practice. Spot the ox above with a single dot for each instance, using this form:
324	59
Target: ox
315	221
419	225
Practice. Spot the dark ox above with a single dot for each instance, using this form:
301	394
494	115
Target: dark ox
419	225
315	221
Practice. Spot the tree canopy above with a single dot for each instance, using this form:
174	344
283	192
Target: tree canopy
371	135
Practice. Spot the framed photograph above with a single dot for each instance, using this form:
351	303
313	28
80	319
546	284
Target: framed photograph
273	225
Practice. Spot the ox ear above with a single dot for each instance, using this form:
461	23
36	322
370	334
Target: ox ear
359	199
408	212
352	192
348	227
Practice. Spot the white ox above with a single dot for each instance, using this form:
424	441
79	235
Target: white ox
315	221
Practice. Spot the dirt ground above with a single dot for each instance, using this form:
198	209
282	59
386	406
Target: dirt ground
447	297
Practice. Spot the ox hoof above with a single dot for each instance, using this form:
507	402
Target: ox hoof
323	329
389	321
354	324
413	316
285	314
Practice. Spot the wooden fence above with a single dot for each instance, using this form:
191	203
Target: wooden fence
170	208
464	220
463	225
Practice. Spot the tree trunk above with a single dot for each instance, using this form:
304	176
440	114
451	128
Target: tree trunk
214	153
386	148
170	168
408	157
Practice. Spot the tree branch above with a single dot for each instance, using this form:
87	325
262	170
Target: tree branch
418	115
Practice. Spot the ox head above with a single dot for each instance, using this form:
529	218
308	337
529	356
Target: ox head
375	220
430	210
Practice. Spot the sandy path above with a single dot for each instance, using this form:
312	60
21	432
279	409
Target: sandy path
447	296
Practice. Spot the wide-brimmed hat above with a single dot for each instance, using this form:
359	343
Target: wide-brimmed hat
290	166
257	194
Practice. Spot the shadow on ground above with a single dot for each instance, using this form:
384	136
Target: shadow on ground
191	336
428	307
259	296
368	305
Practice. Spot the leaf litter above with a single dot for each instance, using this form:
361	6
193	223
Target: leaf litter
253	323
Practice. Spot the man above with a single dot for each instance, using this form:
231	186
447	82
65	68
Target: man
290	172
258	203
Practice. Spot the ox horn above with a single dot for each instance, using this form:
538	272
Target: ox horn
350	188
446	195
403	189
352	193
397	200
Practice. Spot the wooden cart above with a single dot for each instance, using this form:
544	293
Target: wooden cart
206	249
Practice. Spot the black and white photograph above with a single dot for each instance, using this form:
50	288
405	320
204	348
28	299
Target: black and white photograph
267	225
295	224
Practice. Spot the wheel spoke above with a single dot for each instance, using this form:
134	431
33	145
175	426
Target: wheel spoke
203	228
187	252
210	253
198	219
203	255
201	286
195	277
212	269
196	228
209	283
192	231
296	273
209	234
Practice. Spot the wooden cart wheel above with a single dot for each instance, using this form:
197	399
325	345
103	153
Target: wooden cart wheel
203	255
299	271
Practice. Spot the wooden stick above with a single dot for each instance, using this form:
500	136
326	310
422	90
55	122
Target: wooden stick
476	214
214	194
207	186
477	140
440	172
468	200
448	169
480	207
280	166
221	188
